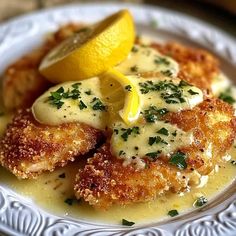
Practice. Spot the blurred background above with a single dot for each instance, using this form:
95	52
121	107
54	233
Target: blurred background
221	13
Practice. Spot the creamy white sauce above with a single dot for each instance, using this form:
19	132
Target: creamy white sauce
146	140
146	59
83	109
145	137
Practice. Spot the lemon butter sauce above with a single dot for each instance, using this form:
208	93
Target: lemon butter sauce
58	197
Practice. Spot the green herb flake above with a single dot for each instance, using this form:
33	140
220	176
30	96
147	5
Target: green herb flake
183	83
163	131
233	162
179	159
82	105
153	155
121	153
200	201
190	91
134	68
174	133
98	105
153	113
226	96
161	60
69	201
167	73
134	49
128	88
173	213
129	131
88	92
127	223
62	176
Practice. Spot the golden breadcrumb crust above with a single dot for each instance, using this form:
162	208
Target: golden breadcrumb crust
29	148
105	181
197	66
22	82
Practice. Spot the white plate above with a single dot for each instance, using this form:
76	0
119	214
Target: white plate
20	216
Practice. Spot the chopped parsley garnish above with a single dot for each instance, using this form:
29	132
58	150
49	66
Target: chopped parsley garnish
129	131
127	223
62	176
200	201
233	162
173	213
153	155
153	140
163	131
162	60
98	105
55	98
88	92
227	96
121	153
116	131
156	140
69	201
167	73
134	68
128	87
82	105
171	93
179	159
190	91
134	49
76	85
183	83
153	113
174	133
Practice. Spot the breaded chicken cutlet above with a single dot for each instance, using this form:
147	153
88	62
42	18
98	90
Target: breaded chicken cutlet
106	181
22	82
29	148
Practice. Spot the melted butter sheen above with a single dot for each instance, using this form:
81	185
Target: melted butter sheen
87	107
146	59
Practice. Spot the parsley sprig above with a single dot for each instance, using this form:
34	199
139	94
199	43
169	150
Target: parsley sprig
127	132
153	113
179	159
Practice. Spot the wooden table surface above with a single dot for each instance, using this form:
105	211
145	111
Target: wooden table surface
221	18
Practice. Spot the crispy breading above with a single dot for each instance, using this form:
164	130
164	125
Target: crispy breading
197	66
29	148
22	82
105	181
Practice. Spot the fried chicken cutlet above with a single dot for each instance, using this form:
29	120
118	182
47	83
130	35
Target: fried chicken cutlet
106	181
22	82
28	148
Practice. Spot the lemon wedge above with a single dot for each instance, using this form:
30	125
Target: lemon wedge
121	95
92	50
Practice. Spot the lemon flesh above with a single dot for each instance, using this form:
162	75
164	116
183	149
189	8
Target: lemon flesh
91	51
121	95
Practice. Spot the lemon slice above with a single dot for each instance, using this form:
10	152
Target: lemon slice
91	51
121	95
